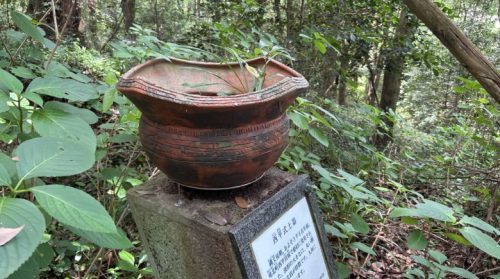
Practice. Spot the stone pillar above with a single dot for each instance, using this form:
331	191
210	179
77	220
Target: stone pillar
212	234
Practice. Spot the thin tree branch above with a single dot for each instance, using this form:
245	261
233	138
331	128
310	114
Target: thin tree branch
59	35
54	15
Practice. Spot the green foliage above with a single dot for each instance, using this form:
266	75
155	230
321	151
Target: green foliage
40	259
58	158
481	241
10	82
46	138
62	88
74	208
16	213
444	216
436	267
416	240
26	25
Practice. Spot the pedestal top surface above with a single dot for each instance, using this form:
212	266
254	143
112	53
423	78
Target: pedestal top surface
215	209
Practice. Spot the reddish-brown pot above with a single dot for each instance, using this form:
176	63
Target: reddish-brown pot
201	139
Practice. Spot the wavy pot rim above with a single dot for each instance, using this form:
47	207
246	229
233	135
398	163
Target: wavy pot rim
138	85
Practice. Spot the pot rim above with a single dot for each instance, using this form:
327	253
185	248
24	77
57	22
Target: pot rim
139	86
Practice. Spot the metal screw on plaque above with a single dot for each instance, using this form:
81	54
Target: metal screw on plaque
179	201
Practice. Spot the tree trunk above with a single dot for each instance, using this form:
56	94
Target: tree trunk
289	19
391	86
277	11
217	7
458	44
128	10
372	85
87	27
342	82
157	20
302	11
342	91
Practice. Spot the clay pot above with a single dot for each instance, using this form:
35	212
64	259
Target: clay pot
201	130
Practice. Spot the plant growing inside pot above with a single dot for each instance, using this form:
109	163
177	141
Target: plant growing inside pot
203	139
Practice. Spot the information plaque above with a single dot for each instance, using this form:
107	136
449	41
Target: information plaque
290	247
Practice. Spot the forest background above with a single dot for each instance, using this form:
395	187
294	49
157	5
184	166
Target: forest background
400	140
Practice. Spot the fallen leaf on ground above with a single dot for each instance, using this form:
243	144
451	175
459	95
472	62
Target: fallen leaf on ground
241	202
215	218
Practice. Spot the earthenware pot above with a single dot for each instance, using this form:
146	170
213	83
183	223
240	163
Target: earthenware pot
202	124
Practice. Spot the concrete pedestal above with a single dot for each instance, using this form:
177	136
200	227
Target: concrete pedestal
209	234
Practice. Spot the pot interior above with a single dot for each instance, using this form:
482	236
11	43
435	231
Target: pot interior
213	79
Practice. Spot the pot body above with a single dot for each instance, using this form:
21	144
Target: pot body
202	140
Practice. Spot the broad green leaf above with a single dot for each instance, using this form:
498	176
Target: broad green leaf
421	260
438	256
116	240
346	227
4	176
299	120
459	271
318	117
351	179
23	72
14	36
478	223
416	272
108	99
8	164
41	258
343	270
363	247
15	213
74	208
63	88
320	46
59	70
401	211
416	240
59	124
409	220
359	224
319	136
324	173
481	241
4	98
48	157
427	209
49	44
126	260
24	23
35	98
458	238
10	82
123	138
85	114
328	113
436	211
334	231
121	50
110	78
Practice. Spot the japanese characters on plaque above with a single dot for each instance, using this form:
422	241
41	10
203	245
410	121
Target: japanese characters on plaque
290	247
